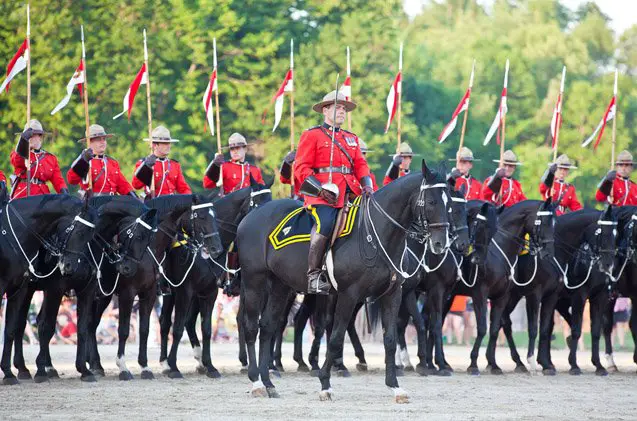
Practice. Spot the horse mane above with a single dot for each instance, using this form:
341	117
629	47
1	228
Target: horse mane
519	207
43	202
123	205
170	203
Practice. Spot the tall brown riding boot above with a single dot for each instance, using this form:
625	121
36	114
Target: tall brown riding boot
316	282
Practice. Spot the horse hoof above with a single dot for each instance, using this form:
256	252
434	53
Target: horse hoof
259	390
443	372
52	373
125	375
325	395
613	369
400	395
201	370
314	373
549	371
279	367
244	369
98	372
10	381
408	368
303	368
521	369
89	378
213	374
275	373
175	374
400	372
496	371
24	375
361	367
601	371
576	371
448	367
474	371
343	373
422	370
147	375
41	378
272	393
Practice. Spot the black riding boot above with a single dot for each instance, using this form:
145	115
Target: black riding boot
316	282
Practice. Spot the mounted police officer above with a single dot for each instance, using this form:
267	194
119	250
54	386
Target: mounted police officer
618	184
501	188
464	164
168	176
236	172
325	194
563	193
106	175
44	165
399	166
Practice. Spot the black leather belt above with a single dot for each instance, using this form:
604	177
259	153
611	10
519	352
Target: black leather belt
341	170
33	181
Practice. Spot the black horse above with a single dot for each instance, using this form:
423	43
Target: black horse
123	230
481	219
194	289
362	265
59	224
543	280
493	280
187	218
626	278
436	276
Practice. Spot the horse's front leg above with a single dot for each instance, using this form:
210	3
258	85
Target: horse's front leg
389	305
146	306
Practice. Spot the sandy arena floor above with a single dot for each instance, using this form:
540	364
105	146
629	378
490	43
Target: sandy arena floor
460	397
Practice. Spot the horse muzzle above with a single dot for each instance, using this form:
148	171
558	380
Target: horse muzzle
126	267
68	265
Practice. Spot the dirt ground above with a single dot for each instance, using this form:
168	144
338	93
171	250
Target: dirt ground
459	397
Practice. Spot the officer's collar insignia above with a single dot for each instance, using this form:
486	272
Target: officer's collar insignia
351	141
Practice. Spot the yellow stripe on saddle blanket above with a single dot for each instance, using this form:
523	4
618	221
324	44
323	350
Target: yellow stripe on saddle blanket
525	249
296	226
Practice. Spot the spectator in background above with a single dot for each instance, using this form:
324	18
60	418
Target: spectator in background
453	326
67	329
621	315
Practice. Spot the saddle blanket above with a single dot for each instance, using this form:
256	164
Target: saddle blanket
296	226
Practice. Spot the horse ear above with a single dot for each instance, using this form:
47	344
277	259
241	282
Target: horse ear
500	209
426	172
484	209
150	217
269	184
253	182
463	190
608	212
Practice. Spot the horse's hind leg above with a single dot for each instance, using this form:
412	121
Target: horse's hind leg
300	321
125	308
577	308
608	332
320	326
507	327
268	326
402	320
497	308
532	313
547	312
146	306
356	341
165	322
206	306
480	310
278	343
183	302
248	318
18	358
84	315
46	329
597	309
95	363
191	330
10	329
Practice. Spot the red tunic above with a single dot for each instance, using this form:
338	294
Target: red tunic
473	187
297	185
314	154
624	193
44	167
107	177
566	192
2	177
511	192
373	177
388	180
235	176
168	178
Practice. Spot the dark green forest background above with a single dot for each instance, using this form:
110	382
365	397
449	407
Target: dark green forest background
539	37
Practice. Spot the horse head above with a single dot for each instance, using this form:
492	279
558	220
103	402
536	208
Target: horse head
483	220
74	230
201	225
541	230
431	209
602	238
458	218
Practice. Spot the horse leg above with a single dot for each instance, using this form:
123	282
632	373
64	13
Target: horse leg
577	310
608	332
547	311
344	309
165	322
532	313
125	309
191	329
278	352
18	358
84	315
95	364
206	306
389	305
268	326
339	367
183	302
507	326
146	306
402	320
632	324
46	329
10	328
300	321
497	308
248	318
320	321
480	310
436	302
356	341
597	313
